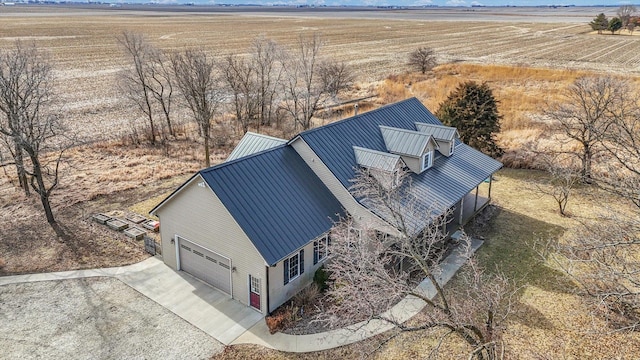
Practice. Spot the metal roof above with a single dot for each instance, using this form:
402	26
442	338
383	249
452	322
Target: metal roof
437	131
444	184
373	159
252	143
404	141
277	200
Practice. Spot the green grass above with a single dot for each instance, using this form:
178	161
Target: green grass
548	320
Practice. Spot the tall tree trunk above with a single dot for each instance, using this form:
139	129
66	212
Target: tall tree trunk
207	159
22	175
41	188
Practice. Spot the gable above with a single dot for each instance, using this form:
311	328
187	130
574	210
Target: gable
276	199
405	142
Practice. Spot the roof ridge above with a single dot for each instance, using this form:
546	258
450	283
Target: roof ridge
376	151
234	161
405	130
433	125
355	117
264	136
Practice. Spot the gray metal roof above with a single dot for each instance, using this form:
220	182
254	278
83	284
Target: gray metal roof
252	143
277	200
404	141
373	159
437	131
444	184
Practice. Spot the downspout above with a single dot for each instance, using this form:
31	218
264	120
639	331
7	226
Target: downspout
268	290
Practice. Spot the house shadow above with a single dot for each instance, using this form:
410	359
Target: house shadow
513	246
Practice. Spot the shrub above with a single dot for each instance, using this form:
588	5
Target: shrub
320	278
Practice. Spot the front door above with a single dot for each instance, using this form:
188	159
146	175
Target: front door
254	292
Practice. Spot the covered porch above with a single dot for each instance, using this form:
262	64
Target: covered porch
471	204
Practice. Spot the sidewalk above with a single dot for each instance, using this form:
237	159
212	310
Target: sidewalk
403	311
232	323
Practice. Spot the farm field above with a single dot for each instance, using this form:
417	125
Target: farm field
87	56
527	59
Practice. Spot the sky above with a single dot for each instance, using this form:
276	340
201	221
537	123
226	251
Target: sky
427	2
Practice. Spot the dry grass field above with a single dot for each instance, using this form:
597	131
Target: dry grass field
527	64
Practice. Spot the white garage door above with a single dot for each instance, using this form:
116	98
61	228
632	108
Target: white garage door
205	265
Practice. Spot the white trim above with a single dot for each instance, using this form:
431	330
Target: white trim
259	294
325	240
176	241
424	157
167	199
298	266
206	248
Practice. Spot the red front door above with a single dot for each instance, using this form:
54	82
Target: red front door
254	292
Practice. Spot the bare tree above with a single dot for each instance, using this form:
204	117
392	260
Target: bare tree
423	59
336	76
161	83
563	177
200	85
136	83
304	87
601	257
622	143
267	61
625	12
370	271
240	78
29	125
585	114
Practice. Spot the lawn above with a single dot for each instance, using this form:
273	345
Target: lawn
548	322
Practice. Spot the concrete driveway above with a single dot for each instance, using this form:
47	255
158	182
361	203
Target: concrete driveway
199	304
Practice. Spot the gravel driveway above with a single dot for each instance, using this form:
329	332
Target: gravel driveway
93	318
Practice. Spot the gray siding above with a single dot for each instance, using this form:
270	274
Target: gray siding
196	214
280	293
355	209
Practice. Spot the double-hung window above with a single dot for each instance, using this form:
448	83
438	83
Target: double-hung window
293	266
321	249
427	160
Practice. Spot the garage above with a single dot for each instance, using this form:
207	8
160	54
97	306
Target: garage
206	265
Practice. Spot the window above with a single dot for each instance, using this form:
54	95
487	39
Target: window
293	266
427	160
452	146
321	249
396	178
255	285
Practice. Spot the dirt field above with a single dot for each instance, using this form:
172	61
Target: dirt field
87	58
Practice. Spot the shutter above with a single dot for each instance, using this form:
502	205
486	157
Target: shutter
285	265
301	262
315	252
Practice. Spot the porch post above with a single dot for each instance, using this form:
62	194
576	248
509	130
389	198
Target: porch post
490	182
475	204
461	210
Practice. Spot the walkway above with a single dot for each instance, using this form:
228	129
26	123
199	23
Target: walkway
403	311
201	305
230	322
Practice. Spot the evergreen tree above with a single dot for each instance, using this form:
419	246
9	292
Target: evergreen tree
614	25
472	109
600	23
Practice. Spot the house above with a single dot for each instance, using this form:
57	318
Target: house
256	226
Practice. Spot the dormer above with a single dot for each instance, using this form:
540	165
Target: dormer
383	166
416	149
445	136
